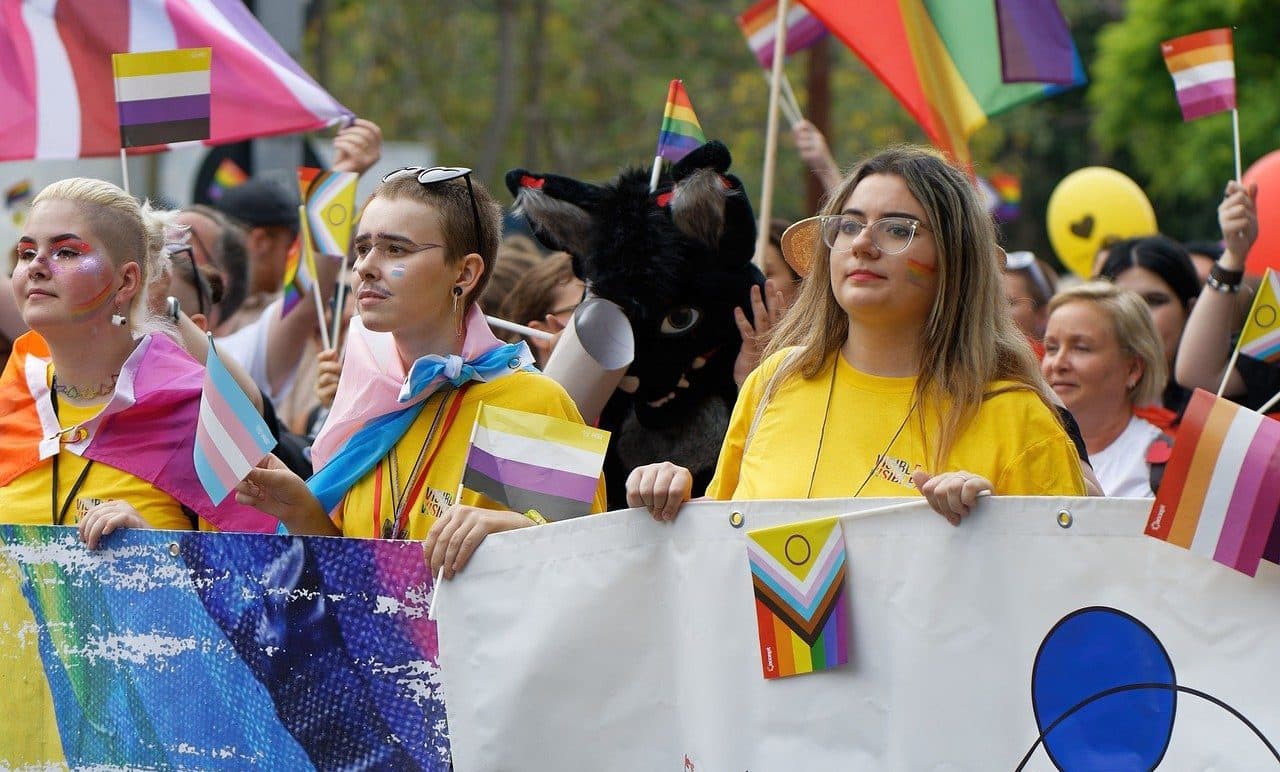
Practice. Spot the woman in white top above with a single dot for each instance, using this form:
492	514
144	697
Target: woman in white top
1104	358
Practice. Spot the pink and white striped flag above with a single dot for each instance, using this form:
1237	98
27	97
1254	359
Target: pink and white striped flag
231	436
58	92
1204	72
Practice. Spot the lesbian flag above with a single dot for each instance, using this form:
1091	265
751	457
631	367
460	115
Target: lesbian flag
681	133
56	81
528	461
329	207
1204	72
1260	338
802	613
162	96
760	20
231	436
1221	488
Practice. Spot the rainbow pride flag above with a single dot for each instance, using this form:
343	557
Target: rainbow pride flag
942	61
681	133
163	96
759	22
329	200
1204	72
231	436
528	461
797	572
1221	487
299	266
1008	190
227	176
1260	338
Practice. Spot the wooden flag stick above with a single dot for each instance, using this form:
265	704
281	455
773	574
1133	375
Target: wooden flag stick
339	292
771	133
1270	404
1226	376
1235	130
790	96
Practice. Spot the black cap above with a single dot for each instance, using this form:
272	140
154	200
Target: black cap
261	202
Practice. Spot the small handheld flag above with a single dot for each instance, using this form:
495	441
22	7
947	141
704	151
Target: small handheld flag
1204	72
162	96
231	436
329	199
227	176
802	614
528	461
1260	338
759	21
681	133
1221	487
297	279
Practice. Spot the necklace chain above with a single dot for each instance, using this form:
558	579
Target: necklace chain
72	391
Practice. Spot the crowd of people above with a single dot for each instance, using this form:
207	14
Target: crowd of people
894	350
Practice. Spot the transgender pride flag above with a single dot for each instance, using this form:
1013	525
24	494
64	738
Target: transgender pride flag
231	437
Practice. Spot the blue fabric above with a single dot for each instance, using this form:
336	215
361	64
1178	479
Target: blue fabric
362	452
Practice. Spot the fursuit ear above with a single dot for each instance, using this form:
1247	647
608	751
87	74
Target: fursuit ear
559	209
713	155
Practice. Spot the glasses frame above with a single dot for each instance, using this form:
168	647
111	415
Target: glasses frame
914	223
202	288
431	175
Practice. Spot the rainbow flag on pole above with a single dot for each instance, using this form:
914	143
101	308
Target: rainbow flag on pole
163	96
802	614
681	132
227	176
329	199
299	267
528	461
231	436
1204	72
1260	338
760	20
1221	488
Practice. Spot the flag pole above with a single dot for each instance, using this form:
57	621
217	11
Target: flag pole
339	301
790	97
657	172
308	254
1226	376
124	171
1270	404
503	324
1235	130
771	133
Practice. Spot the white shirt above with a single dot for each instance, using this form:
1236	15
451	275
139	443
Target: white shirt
248	346
1122	466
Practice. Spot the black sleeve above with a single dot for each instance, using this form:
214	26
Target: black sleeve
290	448
1261	381
1073	431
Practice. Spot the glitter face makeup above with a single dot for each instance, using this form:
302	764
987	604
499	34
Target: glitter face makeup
78	274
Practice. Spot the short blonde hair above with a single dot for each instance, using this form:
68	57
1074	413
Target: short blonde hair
1135	332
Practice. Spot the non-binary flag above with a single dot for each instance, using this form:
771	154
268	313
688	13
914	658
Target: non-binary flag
681	133
162	96
759	22
231	436
528	461
329	201
1204	72
1260	338
802	613
1221	487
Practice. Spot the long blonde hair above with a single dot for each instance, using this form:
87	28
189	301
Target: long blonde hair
969	338
130	232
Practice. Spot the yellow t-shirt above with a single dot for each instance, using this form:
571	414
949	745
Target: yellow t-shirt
530	392
27	500
823	437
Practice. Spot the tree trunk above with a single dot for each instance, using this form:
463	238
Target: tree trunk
504	96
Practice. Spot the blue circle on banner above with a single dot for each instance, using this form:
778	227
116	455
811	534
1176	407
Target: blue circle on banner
1084	657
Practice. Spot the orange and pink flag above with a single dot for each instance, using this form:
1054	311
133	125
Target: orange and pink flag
1221	488
1204	72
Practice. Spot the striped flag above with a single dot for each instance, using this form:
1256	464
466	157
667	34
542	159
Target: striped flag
231	436
1035	42
56	85
1204	72
681	133
162	96
329	201
227	176
1221	487
299	267
1260	338
528	461
759	22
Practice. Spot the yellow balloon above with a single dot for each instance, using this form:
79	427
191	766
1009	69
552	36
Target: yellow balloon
1090	209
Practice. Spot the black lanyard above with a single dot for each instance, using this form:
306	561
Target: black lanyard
56	513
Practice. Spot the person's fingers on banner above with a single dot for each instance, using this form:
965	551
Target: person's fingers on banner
106	518
661	488
951	494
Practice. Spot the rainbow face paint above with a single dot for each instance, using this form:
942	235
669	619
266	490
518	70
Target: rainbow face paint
78	274
920	273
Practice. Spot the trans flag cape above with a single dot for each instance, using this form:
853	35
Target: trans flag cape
377	401
148	428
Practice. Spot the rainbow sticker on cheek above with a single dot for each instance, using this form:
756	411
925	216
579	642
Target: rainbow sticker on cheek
397	271
920	273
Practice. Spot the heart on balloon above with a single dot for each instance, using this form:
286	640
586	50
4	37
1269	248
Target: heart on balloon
1083	227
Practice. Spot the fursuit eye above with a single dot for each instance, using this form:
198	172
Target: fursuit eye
680	320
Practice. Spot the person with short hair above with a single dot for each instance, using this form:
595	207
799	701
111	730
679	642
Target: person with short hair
420	360
1028	286
898	372
1104	358
544	299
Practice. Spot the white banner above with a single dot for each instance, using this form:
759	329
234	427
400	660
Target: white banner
616	643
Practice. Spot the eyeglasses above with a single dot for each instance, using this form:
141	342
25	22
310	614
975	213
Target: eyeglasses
890	235
435	174
202	289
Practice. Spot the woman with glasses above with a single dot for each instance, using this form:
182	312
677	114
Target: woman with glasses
898	372
420	359
98	406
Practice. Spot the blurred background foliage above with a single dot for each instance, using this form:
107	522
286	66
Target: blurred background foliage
577	87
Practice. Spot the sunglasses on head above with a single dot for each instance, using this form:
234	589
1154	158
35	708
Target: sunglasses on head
430	175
